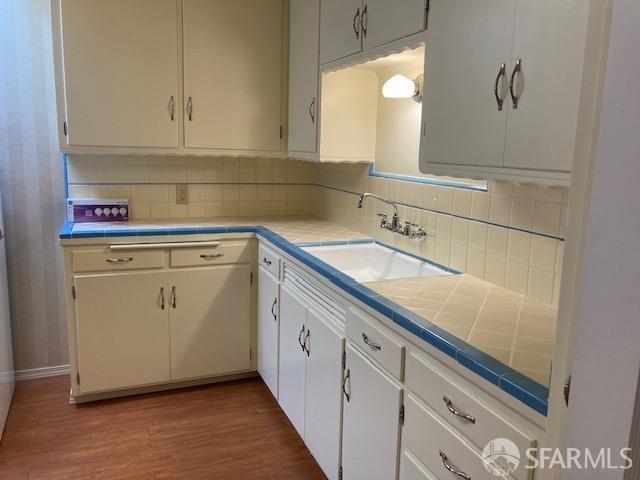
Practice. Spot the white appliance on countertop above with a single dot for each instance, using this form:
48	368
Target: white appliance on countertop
7	381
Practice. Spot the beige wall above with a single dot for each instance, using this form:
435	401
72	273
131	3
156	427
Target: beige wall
31	184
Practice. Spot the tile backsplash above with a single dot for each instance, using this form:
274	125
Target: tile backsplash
511	235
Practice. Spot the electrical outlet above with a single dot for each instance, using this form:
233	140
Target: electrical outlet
182	194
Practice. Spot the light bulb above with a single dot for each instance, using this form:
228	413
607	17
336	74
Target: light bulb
399	86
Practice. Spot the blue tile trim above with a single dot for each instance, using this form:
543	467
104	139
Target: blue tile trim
423	180
515	384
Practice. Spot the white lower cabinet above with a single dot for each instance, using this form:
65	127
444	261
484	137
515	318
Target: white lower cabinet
323	395
122	329
371	420
311	352
210	321
293	315
268	328
411	469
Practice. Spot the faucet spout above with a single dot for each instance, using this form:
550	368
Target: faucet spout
378	197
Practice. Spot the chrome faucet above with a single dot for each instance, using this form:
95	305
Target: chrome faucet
395	220
394	226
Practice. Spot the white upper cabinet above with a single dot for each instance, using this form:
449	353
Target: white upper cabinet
303	75
340	28
120	73
503	85
549	44
468	42
349	26
233	74
384	21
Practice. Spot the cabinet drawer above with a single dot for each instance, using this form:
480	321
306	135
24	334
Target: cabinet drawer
269	260
97	260
433	444
378	343
410	468
442	394
226	252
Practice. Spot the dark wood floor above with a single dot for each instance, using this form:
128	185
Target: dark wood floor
224	431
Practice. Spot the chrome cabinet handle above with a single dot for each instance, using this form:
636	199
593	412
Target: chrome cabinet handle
119	261
356	23
300	337
515	99
499	99
275	302
172	298
364	20
451	408
162	298
445	462
371	343
265	261
307	339
312	109
344	385
211	257
189	108
172	107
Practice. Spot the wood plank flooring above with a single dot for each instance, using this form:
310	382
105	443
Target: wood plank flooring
225	431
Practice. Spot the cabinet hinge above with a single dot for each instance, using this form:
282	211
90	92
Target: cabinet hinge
344	360
78	378
281	131
73	292
401	415
64	128
340	473
251	278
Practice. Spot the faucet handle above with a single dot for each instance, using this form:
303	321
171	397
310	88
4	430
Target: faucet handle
410	223
383	215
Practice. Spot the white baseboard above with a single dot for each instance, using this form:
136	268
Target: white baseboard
43	372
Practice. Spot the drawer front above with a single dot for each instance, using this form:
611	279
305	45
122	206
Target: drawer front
269	260
410	468
226	252
378	343
482	424
434	444
98	260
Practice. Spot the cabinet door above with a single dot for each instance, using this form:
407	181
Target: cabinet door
323	397
340	28
303	75
233	74
123	331
120	72
466	44
550	41
293	316
210	319
371	425
384	21
268	306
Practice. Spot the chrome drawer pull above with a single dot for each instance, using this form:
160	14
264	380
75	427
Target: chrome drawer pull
307	339
372	344
451	408
445	462
162	298
275	302
496	85
172	298
119	260
211	257
515	98
300	338
266	262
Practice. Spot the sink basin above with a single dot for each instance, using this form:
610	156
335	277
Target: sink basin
371	262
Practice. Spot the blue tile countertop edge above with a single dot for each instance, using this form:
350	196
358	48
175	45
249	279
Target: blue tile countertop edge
504	377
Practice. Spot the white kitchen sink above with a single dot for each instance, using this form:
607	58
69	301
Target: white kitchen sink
371	262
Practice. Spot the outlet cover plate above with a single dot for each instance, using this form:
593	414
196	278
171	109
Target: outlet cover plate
182	194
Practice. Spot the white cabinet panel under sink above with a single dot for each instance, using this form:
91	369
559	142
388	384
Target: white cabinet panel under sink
371	262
